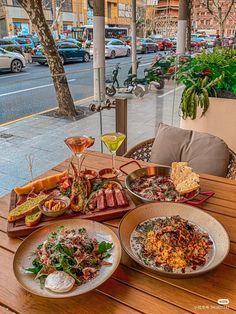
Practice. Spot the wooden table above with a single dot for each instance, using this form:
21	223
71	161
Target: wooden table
133	289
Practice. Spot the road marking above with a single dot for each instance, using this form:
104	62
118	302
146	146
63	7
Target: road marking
77	102
13	75
142	65
29	89
171	91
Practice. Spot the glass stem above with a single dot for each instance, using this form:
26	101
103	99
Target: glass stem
113	156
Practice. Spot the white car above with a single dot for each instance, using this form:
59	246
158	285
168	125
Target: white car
11	61
114	48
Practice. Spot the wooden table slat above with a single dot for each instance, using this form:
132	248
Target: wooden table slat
14	297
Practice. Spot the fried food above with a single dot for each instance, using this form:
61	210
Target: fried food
54	205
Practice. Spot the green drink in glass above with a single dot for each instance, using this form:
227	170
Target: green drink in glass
113	141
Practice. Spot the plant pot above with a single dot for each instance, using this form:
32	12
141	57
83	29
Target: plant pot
219	120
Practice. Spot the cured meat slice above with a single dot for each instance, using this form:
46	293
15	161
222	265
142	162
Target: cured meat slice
110	200
101	201
121	198
93	202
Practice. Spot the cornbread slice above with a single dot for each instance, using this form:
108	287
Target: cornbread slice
25	208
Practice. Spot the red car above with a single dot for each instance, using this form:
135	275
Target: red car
163	43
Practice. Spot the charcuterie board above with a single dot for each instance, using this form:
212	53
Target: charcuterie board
19	229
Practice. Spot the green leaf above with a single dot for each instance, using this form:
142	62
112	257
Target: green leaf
34	270
104	247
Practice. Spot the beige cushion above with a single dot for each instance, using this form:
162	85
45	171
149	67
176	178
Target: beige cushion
204	152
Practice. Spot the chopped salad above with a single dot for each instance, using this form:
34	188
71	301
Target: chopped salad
73	252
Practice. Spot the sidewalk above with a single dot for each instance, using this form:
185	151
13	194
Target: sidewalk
43	136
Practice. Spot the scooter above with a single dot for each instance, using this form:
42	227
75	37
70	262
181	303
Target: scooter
133	84
129	86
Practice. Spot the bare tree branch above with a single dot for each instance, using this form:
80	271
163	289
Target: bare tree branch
207	3
229	9
215	9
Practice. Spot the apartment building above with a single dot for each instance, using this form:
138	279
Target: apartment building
163	14
203	21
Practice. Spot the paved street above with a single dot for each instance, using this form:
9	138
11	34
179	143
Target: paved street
32	91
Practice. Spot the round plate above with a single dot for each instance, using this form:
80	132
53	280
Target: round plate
24	256
216	231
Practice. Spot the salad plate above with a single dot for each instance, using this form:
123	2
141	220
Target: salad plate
26	254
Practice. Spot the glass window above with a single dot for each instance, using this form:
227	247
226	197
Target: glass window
15	3
109	10
47	4
67	45
66	5
117	43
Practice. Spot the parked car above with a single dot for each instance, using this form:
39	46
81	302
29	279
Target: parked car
154	37
73	41
163	43
25	42
114	48
201	41
12	61
68	52
35	39
145	45
10	45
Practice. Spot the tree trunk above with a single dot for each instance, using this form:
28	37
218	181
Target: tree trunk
189	27
222	30
65	101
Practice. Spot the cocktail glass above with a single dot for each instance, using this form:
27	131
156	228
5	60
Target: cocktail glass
113	141
78	145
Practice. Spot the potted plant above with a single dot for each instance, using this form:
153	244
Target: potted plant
208	102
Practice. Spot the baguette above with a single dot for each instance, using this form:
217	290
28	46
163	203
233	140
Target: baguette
183	178
39	185
33	219
25	208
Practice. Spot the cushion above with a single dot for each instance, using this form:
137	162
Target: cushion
204	152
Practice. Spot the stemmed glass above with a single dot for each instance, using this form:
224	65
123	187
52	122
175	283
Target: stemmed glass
78	145
113	141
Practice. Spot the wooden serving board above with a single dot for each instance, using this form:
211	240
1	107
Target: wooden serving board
19	229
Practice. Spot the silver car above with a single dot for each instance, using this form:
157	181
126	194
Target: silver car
114	48
12	61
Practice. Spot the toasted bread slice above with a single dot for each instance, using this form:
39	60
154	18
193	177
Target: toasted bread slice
39	185
180	170
33	219
184	179
25	208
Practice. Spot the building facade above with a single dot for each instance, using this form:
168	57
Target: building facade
203	21
14	20
162	17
